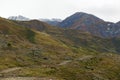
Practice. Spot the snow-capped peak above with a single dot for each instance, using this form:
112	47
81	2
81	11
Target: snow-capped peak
18	18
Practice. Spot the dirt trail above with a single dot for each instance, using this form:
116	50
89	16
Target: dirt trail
19	78
10	70
85	57
36	78
79	59
25	78
64	62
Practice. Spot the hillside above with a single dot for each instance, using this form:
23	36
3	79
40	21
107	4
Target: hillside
73	37
33	49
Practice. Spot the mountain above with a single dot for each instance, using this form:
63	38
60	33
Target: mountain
18	18
79	18
90	23
118	23
52	22
34	49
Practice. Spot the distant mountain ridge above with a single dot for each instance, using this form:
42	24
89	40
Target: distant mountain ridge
53	19
90	23
82	21
52	22
18	18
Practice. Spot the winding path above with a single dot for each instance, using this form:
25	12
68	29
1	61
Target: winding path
10	70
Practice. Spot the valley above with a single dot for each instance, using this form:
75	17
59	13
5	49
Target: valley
36	50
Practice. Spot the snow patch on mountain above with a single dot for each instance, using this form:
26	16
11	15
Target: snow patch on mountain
18	18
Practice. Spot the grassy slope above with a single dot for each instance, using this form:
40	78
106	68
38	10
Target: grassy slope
75	38
53	52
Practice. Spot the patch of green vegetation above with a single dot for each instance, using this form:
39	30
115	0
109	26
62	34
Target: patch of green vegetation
30	35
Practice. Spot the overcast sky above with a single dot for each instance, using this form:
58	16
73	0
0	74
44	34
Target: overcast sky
108	10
